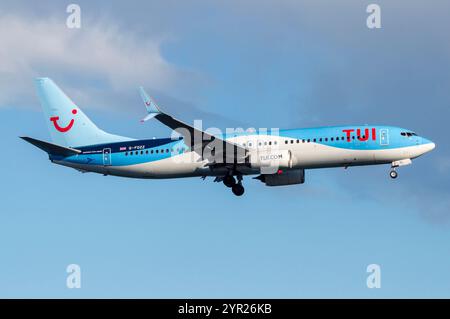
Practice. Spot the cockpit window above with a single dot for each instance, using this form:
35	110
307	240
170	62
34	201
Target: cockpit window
409	134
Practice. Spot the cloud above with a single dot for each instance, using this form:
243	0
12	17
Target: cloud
100	56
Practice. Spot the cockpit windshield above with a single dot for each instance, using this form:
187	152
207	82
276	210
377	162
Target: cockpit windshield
408	134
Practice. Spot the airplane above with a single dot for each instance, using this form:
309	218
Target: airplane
276	159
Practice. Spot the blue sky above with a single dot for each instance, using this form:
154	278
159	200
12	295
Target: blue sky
254	64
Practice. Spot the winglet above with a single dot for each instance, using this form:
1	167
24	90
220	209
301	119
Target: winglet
148	117
150	105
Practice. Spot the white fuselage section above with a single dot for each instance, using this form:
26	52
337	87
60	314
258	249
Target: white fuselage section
264	158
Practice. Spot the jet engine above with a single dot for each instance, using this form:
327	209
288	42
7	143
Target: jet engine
270	161
281	178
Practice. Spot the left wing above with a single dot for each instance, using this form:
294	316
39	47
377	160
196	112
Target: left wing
212	148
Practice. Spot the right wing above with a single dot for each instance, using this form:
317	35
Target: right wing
197	140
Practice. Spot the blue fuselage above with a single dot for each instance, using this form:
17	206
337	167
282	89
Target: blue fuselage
308	148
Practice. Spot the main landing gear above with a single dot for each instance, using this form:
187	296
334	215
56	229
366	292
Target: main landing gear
236	187
229	181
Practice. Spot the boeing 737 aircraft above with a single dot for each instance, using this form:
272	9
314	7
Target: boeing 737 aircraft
277	159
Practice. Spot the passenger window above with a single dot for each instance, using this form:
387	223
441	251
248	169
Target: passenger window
303	141
320	139
309	140
326	139
314	140
292	141
285	142
332	139
157	151
136	152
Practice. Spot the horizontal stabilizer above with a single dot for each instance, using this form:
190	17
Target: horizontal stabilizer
50	148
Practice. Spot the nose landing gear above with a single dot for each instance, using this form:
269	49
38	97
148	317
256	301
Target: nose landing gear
393	174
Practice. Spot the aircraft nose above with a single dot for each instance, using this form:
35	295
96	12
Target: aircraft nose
432	146
428	145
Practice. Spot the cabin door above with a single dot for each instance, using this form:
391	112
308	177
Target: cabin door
107	157
384	137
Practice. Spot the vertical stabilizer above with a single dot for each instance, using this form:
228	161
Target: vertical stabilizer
67	123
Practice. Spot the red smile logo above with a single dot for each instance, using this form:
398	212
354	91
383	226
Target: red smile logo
61	129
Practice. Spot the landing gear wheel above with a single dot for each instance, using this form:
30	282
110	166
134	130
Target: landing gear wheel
393	174
229	181
238	189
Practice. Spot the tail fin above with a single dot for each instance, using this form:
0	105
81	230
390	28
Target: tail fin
68	125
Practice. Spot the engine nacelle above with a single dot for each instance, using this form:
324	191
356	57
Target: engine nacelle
271	161
288	177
